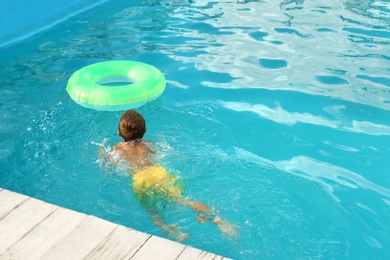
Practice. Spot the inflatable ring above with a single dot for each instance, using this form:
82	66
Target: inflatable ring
97	86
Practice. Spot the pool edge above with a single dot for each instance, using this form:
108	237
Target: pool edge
37	229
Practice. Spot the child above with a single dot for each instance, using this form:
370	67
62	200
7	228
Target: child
152	184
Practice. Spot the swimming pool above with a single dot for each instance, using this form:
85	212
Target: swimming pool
276	113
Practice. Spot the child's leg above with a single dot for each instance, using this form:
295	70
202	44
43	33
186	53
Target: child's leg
203	210
198	206
205	214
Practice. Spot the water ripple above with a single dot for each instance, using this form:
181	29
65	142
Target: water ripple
324	42
288	99
280	115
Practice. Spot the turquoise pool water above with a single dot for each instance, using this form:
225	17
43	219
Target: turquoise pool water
276	114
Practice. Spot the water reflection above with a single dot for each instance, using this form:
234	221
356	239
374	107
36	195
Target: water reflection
282	116
376	10
315	51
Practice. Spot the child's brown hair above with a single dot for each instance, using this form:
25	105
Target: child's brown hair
131	125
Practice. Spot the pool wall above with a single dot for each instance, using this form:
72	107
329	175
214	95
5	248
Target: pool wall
20	19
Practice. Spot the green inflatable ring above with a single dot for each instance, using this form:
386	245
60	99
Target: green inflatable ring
89	86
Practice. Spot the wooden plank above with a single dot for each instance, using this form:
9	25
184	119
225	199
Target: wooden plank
46	235
79	243
191	253
159	248
21	221
123	243
32	229
10	200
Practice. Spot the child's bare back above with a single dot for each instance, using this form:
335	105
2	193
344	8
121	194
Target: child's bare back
137	153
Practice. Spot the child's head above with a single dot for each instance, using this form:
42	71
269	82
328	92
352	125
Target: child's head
131	125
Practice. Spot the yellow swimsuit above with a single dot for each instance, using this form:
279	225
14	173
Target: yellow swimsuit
154	183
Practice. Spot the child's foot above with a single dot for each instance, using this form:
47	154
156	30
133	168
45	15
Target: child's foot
226	228
170	230
174	231
202	218
181	236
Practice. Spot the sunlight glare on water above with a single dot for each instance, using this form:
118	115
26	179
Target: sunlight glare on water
276	114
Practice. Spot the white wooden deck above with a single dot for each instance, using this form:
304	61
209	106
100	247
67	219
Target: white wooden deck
33	229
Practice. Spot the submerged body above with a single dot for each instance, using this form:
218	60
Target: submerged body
150	181
153	184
